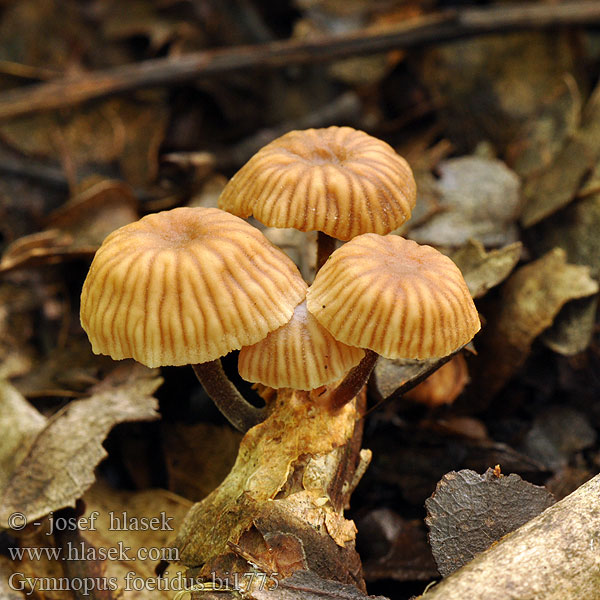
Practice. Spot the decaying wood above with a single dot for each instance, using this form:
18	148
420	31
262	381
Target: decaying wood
447	25
281	506
555	556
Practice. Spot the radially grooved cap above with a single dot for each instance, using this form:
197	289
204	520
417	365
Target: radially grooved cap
301	355
186	286
337	180
394	296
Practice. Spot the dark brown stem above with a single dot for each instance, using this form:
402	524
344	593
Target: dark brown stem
325	246
431	29
354	381
234	407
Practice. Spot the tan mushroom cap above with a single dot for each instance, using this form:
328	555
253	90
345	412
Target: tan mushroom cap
392	295
186	286
337	180
301	355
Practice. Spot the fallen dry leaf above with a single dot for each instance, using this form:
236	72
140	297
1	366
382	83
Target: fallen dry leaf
489	86
132	528
484	270
99	207
140	18
390	374
468	512
42	33
116	129
52	376
428	194
362	70
558	432
542	138
557	185
95	134
573	329
32	572
59	466
479	199
462	427
76	229
113	530
553	556
145	126
530	300
574	229
20	423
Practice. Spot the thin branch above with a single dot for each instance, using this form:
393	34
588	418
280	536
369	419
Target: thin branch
22	167
25	168
448	25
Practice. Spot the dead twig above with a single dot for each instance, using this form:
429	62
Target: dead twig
435	28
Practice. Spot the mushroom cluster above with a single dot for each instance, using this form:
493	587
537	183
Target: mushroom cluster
188	286
379	292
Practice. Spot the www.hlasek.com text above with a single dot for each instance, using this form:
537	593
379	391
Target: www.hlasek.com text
83	551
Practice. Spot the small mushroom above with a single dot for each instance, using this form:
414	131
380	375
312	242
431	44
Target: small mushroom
338	181
188	286
300	355
394	297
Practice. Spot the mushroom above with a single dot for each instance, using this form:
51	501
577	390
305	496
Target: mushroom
394	297
188	286
338	181
300	355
